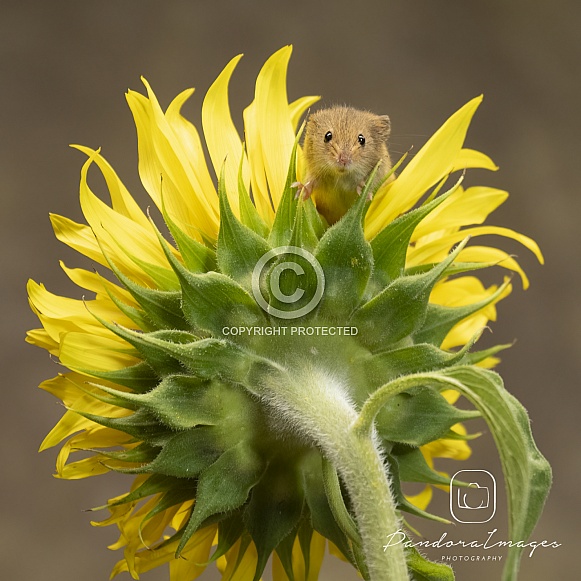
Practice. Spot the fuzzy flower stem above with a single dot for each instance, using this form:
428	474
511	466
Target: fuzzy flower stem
316	405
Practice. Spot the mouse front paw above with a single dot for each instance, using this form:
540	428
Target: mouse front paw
305	189
360	191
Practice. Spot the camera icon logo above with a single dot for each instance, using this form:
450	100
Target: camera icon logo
474	500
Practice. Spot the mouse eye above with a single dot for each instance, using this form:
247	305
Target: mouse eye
328	136
361	139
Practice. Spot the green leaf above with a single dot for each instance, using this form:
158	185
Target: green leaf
400	309
239	247
391	244
402	502
440	320
347	261
414	468
418	416
527	473
224	486
322	518
425	570
274	510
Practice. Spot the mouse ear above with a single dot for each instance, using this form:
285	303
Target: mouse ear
384	125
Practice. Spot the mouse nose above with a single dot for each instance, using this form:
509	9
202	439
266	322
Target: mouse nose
344	159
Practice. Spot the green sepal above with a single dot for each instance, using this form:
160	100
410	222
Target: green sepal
419	416
142	454
322	519
414	468
527	473
313	218
456	268
154	484
391	244
164	278
384	366
140	377
452	435
206	358
284	218
188	453
138	317
230	529
239	247
401	500
180	402
212	301
142	425
478	356
426	570
224	486
303	234
148	345
197	257
284	550
162	308
172	497
440	320
400	309
249	215
347	261
274	510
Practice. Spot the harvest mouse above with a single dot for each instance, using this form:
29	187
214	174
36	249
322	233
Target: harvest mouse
342	146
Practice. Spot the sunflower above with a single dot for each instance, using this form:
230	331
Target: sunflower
253	427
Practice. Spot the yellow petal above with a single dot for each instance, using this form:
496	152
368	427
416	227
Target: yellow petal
121	200
422	499
246	564
470	158
163	174
273	121
489	254
194	557
99	285
118	235
430	252
298	107
434	161
256	161
221	136
79	237
462	208
82	351
188	138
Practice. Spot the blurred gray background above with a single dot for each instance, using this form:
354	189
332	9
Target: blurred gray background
64	68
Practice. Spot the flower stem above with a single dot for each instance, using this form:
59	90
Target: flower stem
316	406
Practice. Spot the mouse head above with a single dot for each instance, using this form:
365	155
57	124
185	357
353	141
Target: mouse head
343	140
